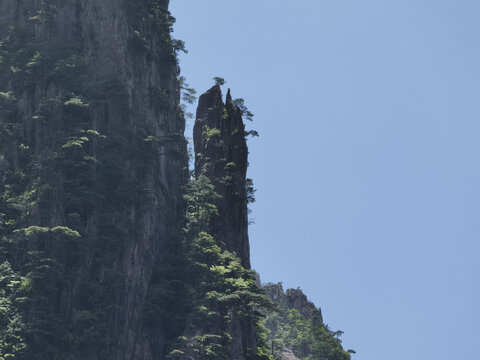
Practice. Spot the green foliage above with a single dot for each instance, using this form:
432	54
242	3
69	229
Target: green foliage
247	114
219	81
252	133
146	19
223	281
222	291
179	46
12	291
200	198
240	104
212	134
308	338
188	93
188	96
76	102
250	191
50	259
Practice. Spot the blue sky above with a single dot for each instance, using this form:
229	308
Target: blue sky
367	165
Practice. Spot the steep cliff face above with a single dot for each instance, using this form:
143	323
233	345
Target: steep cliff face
221	154
93	155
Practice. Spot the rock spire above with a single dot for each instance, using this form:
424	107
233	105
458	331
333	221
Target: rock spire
221	154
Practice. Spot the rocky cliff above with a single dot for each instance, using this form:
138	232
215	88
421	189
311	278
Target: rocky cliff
221	155
93	155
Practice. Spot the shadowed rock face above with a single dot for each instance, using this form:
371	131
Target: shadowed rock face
123	53
221	154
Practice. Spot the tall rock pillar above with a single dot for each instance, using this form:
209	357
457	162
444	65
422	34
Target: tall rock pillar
221	154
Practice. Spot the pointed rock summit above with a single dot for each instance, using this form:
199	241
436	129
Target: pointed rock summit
221	154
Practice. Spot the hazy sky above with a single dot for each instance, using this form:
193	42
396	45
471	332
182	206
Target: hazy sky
367	165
